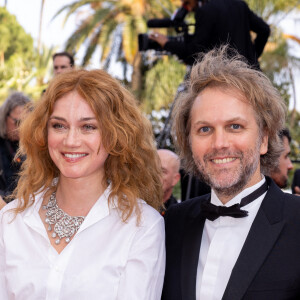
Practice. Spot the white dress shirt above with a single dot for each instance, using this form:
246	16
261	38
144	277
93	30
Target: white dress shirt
222	242
107	259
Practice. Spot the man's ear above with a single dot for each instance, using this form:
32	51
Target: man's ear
264	144
176	178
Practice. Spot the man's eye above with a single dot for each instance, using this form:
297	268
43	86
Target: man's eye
235	126
204	129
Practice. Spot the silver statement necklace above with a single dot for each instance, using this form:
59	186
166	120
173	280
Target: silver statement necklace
65	226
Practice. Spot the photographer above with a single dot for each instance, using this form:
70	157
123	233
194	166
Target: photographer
219	22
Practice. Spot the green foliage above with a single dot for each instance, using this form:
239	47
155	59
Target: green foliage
161	82
13	39
274	63
100	27
16	56
177	191
269	8
277	63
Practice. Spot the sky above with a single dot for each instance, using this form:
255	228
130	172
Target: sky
54	31
55	34
291	25
28	15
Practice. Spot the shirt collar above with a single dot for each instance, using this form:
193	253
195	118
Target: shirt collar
99	211
237	199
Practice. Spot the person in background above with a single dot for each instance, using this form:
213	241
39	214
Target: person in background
170	165
280	170
219	22
62	62
85	222
296	183
10	115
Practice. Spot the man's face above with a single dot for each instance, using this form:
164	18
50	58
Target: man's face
189	5
61	64
225	141
170	174
12	123
280	175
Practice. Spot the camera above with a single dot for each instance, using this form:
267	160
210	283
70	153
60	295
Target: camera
176	22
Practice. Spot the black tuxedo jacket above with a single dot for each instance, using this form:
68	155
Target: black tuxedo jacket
268	267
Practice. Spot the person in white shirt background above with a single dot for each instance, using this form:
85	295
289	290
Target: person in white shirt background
84	224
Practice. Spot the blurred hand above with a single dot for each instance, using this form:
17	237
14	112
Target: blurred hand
159	38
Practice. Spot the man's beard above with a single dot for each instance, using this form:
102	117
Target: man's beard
231	185
279	178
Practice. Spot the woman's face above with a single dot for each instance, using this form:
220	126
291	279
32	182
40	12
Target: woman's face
12	123
74	140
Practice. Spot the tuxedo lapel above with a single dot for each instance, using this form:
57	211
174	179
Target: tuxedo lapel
260	240
190	252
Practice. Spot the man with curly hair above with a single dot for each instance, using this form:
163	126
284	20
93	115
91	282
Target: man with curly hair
242	240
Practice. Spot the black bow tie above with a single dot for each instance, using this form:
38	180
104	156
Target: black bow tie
212	212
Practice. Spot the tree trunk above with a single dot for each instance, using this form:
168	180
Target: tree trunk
136	79
2	59
40	27
293	114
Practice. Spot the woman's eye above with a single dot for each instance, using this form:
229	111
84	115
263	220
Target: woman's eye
89	127
58	126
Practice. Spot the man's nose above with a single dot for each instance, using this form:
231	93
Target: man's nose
290	164
220	139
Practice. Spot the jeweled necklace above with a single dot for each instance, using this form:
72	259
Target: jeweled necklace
65	226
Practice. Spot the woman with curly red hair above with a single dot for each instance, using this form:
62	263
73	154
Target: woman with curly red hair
85	223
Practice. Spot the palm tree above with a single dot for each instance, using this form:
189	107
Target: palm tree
293	62
270	8
113	25
40	26
279	64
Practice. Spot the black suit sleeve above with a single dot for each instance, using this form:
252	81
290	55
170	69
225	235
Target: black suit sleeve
262	30
223	22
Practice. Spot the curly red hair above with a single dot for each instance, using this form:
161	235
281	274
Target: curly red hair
132	167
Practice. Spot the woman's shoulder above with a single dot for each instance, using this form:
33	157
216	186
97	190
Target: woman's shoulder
149	215
10	205
8	212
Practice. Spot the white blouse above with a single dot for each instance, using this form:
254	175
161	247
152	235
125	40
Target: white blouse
107	259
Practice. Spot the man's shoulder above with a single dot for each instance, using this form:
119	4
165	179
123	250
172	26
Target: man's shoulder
292	203
282	204
186	208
